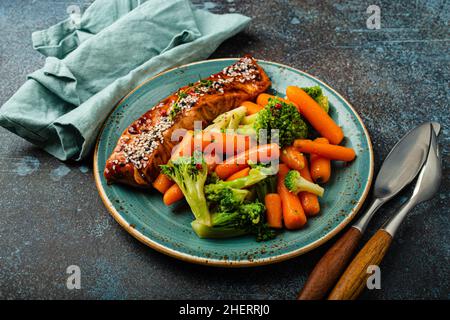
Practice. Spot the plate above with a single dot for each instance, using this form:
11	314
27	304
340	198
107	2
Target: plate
168	229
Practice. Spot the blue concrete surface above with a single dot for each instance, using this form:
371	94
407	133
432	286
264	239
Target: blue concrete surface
395	77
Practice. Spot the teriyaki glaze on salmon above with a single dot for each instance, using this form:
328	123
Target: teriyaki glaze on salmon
146	143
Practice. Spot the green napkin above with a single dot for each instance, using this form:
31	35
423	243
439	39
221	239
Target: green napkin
94	62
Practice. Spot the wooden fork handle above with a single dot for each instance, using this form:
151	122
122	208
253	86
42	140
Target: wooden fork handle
354	279
330	267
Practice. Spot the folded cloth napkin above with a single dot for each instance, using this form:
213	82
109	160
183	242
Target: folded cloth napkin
91	64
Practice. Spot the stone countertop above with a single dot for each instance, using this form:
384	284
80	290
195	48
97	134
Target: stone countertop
395	77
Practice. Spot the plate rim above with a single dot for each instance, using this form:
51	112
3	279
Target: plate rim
230	263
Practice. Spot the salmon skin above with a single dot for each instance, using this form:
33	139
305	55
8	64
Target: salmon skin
146	143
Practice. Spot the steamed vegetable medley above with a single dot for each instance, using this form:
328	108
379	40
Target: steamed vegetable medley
256	169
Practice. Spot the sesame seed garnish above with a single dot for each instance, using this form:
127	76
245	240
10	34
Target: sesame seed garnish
244	69
143	144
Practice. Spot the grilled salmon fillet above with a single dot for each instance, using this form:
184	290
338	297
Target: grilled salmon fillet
146	143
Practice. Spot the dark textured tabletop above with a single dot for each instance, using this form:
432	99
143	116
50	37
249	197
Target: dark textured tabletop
395	77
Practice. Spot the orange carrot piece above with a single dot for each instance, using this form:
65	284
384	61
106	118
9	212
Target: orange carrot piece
329	151
211	161
162	183
315	115
263	99
274	211
261	153
292	158
185	147
320	166
293	214
225	170
224	143
309	201
172	195
239	174
252	107
304	172
231	143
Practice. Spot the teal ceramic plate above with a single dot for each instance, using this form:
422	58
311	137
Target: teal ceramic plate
168	230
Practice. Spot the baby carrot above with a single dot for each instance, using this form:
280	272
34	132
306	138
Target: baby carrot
252	107
309	201
162	183
263	99
293	214
261	153
239	174
329	151
227	169
320	166
231	143
292	158
274	212
218	142
304	172
315	115
172	195
185	147
211	161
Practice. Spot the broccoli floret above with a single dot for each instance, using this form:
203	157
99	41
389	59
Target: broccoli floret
268	185
212	178
247	214
190	176
229	194
314	92
227	199
233	214
317	94
296	183
248	218
284	117
227	120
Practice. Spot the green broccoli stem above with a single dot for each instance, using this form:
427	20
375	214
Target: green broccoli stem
246	130
249	119
295	183
227	120
204	231
222	218
311	187
199	207
195	197
236	118
268	185
191	180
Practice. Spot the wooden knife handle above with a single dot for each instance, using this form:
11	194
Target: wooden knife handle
330	267
354	279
